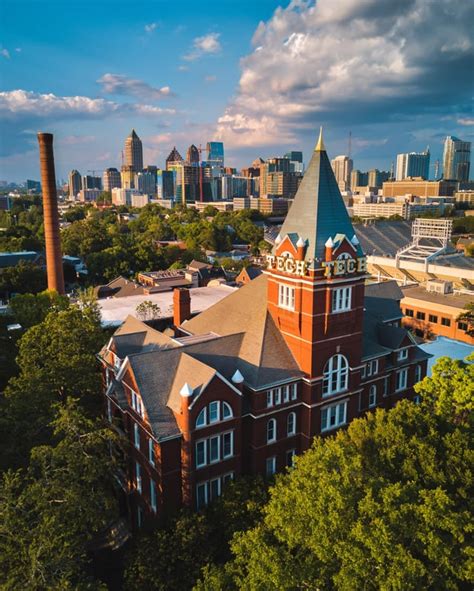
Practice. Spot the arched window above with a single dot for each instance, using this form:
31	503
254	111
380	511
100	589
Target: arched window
344	256
336	375
417	374
271	430
372	395
291	424
215	412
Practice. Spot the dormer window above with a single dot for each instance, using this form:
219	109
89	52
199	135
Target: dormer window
214	412
286	296
402	354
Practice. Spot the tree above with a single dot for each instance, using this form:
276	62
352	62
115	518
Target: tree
105	198
30	309
468	318
22	278
383	505
50	513
147	310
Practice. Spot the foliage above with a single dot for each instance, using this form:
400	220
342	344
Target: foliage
22	278
29	309
105	198
383	505
147	310
51	512
468	317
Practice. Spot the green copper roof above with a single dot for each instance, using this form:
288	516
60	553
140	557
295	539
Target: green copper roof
318	211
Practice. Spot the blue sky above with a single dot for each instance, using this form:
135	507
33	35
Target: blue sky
261	76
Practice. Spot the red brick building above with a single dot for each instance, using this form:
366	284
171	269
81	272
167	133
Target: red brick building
298	352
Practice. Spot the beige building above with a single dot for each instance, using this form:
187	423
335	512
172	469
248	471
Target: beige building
419	188
388	209
134	152
342	167
464	196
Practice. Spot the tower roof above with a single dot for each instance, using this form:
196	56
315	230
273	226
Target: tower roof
133	135
318	211
174	156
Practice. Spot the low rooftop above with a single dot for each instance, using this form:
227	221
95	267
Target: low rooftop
454	300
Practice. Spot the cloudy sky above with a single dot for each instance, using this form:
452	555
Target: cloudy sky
260	75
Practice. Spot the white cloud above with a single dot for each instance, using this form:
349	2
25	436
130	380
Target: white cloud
205	45
349	62
5	53
149	28
123	85
466	121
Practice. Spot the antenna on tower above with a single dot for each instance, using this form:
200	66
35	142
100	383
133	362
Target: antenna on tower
436	170
350	144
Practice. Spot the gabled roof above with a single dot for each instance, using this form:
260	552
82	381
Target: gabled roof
174	156
318	210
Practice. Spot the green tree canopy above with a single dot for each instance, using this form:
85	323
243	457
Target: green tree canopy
30	309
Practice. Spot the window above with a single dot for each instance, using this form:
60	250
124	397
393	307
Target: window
201	459
371	368
228	444
386	386
201	495
271	431
213	412
227	478
333	416
270	468
341	299
420	315
417	374
432	318
136	435
117	362
210	490
138	477
151	452
409	312
201	419
417	399
372	395
402	377
269	398
153	496
286	393
462	326
214	449
215	488
294	391
363	371
402	354
290	457
137	404
286	296
336	374
216	411
226	411
291	424
445	322
277	395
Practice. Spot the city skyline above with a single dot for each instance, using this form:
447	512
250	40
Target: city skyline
195	77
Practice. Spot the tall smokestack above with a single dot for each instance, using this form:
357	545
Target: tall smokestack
54	260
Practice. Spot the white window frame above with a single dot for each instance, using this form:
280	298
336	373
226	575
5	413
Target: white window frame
270	466
204	443
294	391
340	416
153	495
226	478
402	354
341	299
226	408
214	404
286	296
386	385
291	422
229	455
201	419
219	489
277	396
269	398
418	374
218	458
286	394
336	367
290	453
372	396
272	425
402	383
203	486
136	435
151	452
138	477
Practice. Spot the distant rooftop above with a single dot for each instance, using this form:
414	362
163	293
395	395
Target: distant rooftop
454	300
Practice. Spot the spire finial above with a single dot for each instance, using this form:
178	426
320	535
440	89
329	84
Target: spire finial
320	147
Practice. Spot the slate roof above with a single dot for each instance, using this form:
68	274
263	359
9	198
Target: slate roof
118	288
11	259
318	211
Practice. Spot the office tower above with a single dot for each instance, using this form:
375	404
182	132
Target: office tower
75	183
127	175
165	184
342	167
186	177
359	179
145	183
192	155
215	153
173	157
296	161
456	159
378	177
134	152
33	186
413	165
111	179
52	236
91	182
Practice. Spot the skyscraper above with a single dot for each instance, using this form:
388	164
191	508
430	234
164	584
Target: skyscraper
456	159
111	179
134	152
342	167
215	153
413	165
75	183
192	155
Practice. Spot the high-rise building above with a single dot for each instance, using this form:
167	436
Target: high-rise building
413	165
111	179
173	157
165	184
75	183
127	175
192	155
91	182
296	161
378	177
215	153
359	179
342	167
145	183
134	152
33	186
456	159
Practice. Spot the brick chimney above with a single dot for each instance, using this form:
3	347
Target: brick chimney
181	306
52	238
